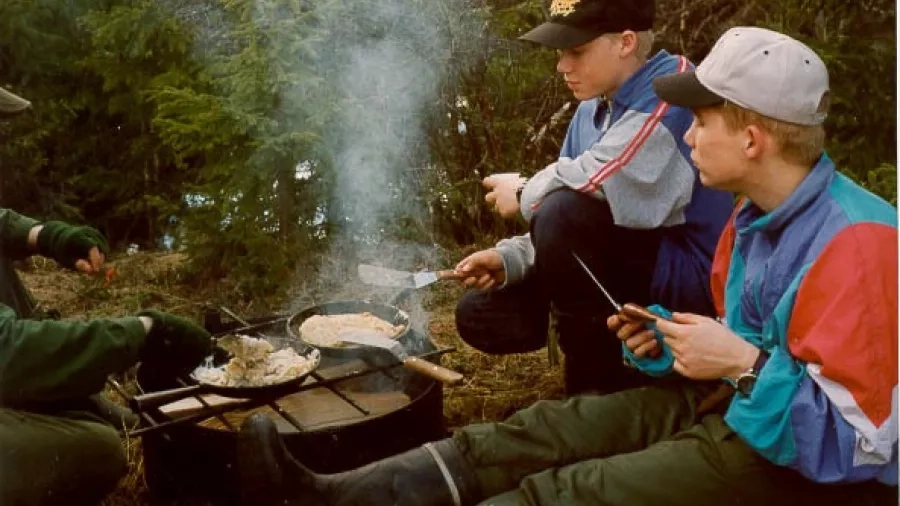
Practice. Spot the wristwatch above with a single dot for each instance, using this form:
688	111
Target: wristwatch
747	380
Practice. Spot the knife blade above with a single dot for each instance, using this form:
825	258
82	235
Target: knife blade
630	310
597	282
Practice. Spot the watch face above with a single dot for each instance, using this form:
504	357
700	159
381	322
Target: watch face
745	383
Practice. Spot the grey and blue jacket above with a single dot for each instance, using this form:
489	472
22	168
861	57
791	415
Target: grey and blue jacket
630	151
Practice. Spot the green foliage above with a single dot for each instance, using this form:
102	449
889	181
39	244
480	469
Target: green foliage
882	181
260	134
858	44
506	113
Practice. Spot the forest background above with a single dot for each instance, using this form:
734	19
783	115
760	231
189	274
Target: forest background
253	152
272	141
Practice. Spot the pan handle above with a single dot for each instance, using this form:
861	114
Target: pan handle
142	403
433	370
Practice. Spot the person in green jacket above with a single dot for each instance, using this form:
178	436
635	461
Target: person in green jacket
57	442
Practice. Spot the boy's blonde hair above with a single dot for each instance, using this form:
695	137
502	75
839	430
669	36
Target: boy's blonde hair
800	144
644	43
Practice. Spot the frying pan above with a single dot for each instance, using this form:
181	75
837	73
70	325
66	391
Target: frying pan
391	314
221	357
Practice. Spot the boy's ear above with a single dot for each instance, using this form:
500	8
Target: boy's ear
629	40
756	141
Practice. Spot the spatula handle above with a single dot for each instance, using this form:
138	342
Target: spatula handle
448	274
433	370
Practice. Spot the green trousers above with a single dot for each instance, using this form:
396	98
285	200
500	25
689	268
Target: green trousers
641	447
71	458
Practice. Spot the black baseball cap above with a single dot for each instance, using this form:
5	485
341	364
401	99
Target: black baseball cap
576	22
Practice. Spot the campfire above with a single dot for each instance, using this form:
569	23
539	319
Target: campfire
353	408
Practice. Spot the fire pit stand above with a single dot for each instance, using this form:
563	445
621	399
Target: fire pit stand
184	459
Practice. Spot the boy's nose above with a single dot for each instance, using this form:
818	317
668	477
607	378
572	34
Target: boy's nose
563	64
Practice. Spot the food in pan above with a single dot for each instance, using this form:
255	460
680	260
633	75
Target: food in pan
254	363
325	330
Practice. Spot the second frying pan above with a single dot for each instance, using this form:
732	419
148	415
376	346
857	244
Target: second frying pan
391	314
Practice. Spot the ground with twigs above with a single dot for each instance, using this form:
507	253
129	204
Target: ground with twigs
494	386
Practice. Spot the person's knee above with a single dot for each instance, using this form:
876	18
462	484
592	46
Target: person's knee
475	323
57	461
108	463
110	454
565	216
468	317
494	323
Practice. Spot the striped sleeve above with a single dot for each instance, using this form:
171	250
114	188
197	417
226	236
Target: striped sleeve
844	328
636	165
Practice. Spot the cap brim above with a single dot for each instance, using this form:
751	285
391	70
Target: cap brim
559	36
685	90
11	103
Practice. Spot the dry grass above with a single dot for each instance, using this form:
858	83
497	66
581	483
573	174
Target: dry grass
494	386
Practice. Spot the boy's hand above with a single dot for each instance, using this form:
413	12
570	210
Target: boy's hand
482	270
636	336
705	349
503	193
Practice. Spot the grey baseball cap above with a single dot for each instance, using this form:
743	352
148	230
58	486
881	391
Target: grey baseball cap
11	103
761	70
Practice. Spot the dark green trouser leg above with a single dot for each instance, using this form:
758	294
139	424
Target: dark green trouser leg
641	447
70	459
707	465
552	434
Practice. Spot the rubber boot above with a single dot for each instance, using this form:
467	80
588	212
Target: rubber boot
434	474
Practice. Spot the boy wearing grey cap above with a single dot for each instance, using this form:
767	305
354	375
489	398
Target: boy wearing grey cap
805	279
623	195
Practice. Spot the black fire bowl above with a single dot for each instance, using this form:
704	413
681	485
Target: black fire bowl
198	464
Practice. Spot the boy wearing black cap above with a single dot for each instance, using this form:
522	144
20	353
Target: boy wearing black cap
806	280
623	195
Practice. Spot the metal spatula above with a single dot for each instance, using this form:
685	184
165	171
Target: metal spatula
380	276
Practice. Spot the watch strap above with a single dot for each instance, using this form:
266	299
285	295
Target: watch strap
747	380
761	360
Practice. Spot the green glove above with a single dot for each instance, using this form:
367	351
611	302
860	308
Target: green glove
67	243
174	346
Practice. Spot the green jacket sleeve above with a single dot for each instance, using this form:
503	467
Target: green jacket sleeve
51	361
14	230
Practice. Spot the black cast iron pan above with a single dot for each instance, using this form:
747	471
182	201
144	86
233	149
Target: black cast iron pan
221	357
389	313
